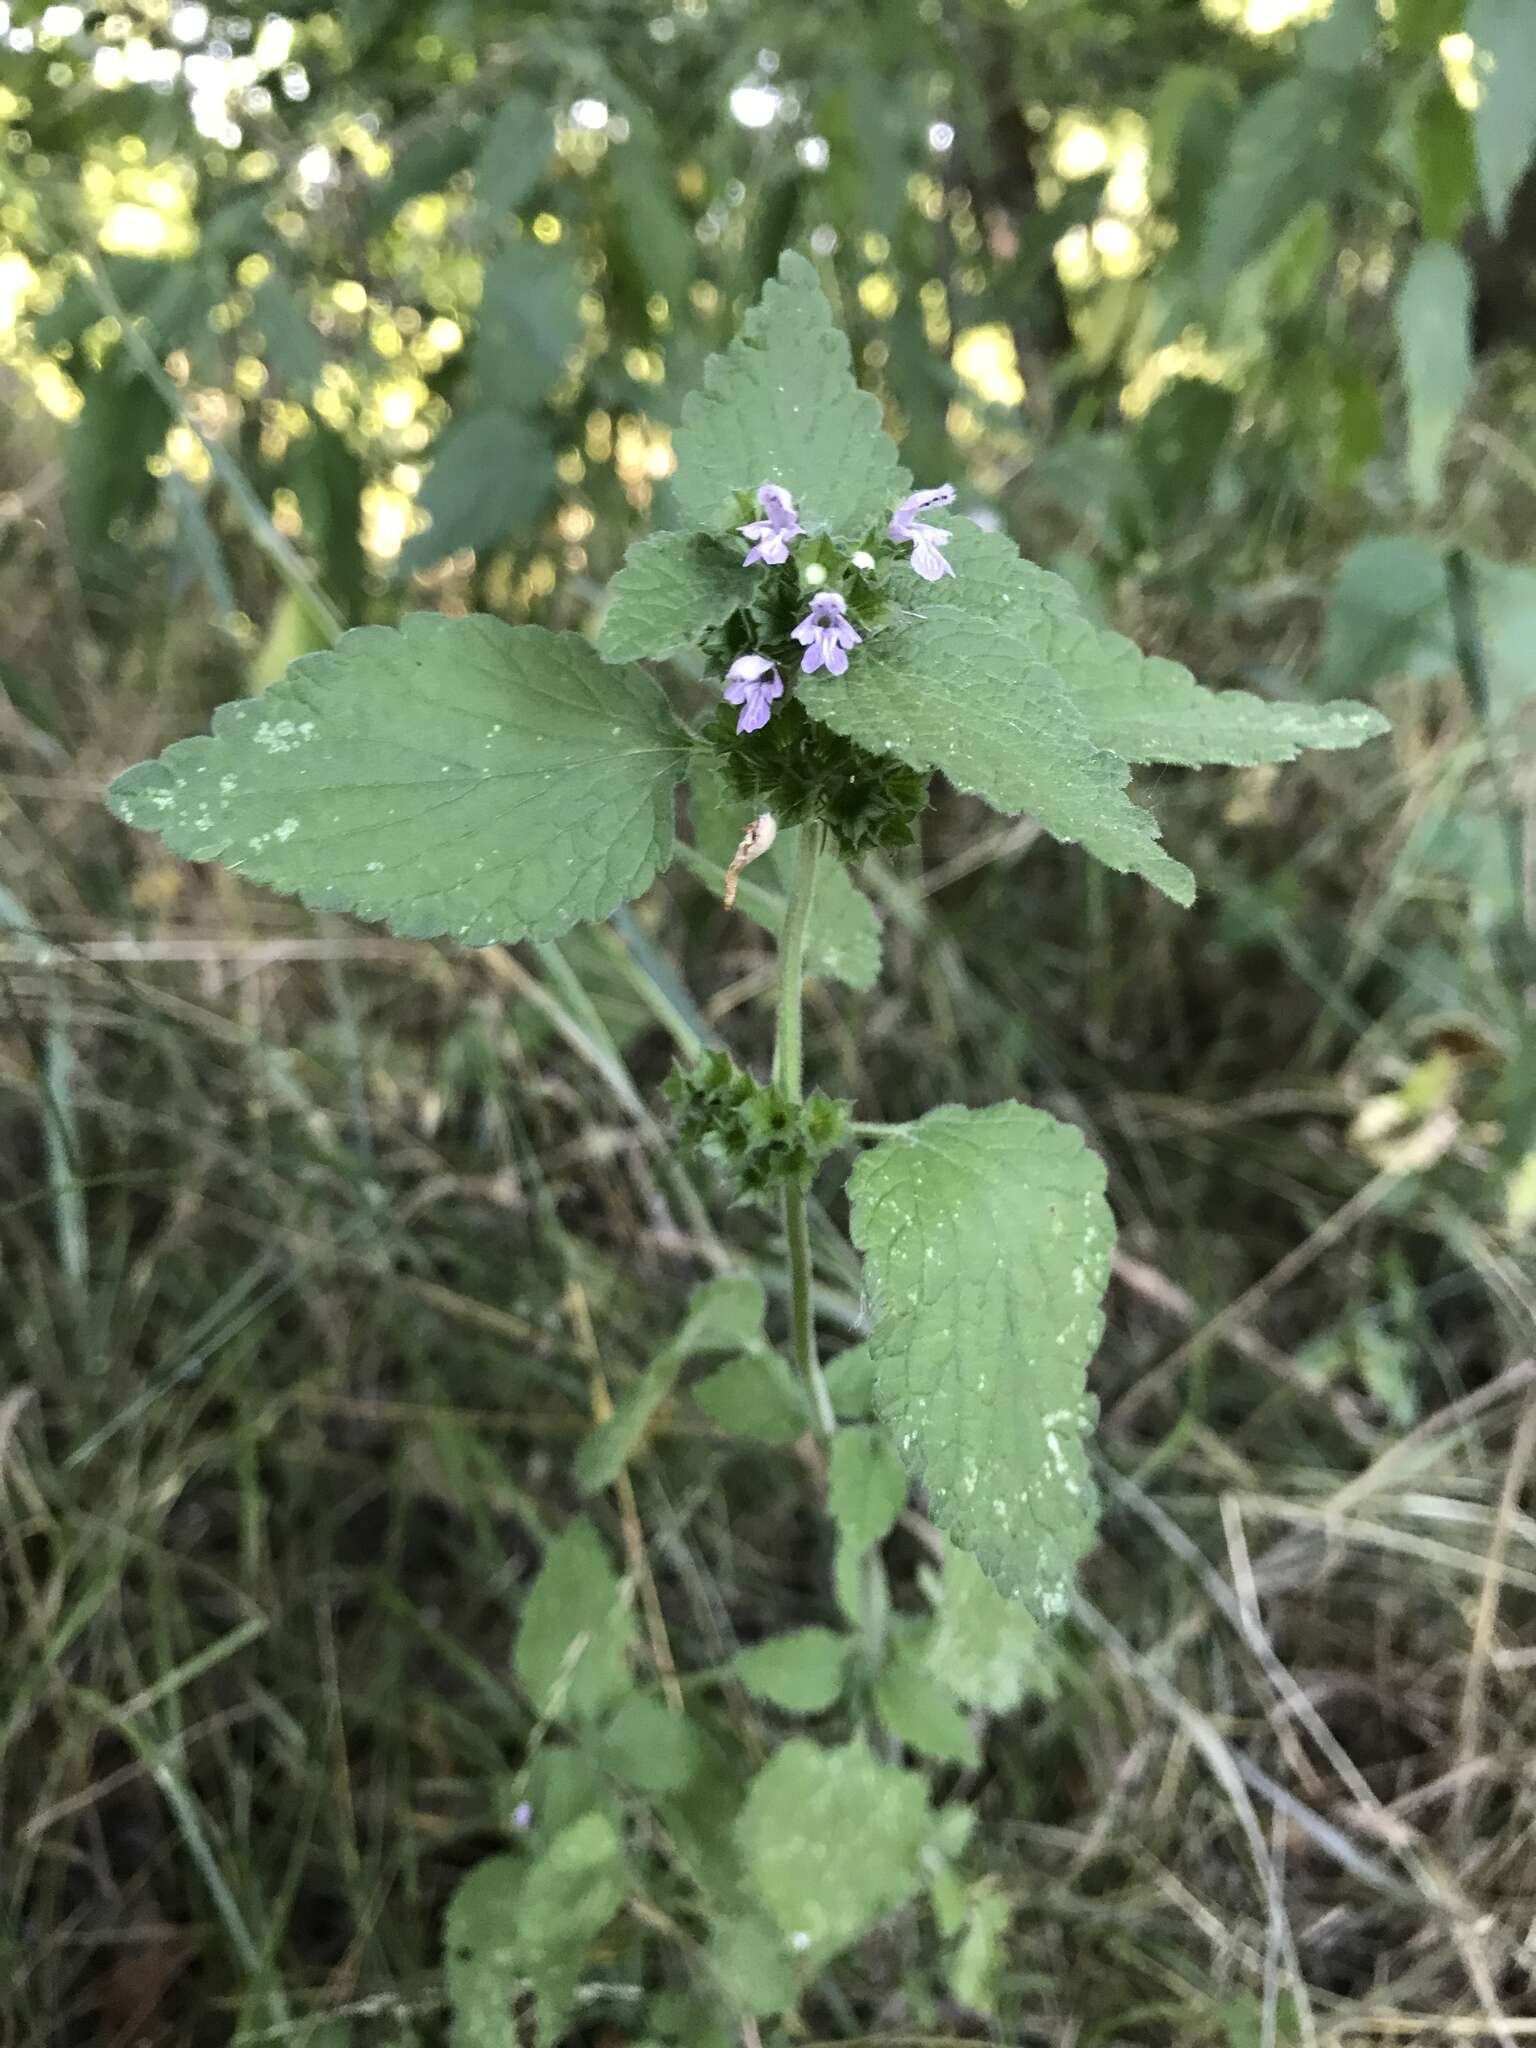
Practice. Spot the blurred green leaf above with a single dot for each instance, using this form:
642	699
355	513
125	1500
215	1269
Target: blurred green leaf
755	1395
1387	613
866	1486
648	1746
979	1957
481	1953
832	1841
529	324
428	164
510	1925
327	478
1292	144
514	152
576	1628
988	1651
1445	162
843	939
1434	332
803	1671
1421	23
747	1953
492	476
850	1379
1343	39
293	349
107	485
653	232
1504	123
724	1314
920	1711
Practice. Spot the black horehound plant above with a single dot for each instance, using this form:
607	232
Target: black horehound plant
460	778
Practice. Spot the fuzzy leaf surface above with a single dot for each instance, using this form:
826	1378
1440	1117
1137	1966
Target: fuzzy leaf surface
970	695
671	590
452	776
986	1239
1139	706
832	1840
781	406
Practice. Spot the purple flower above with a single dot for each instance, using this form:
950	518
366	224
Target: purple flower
771	535
926	540
826	633
753	682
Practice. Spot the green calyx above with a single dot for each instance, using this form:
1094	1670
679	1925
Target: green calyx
803	772
756	1134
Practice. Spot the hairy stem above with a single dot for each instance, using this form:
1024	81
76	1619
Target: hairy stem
787	1072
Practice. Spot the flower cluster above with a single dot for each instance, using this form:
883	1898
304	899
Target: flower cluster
826	633
760	1138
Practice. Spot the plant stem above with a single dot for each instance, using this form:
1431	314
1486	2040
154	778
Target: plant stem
787	1073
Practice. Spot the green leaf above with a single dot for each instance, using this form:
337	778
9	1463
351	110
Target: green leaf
986	1239
122	423
1387	613
1147	709
918	1710
1434	338
977	1961
1291	145
481	1953
866	1486
987	1650
1421	23
507	1926
653	233
1445	162
455	776
755	1395
425	165
292	346
832	1841
1504	125
746	1952
843	939
570	1655
327	479
492	476
724	1313
650	1748
781	406
850	1379
672	589
529	323
1139	706
991	577
1343	39
803	1671
969	695
560	1784
513	153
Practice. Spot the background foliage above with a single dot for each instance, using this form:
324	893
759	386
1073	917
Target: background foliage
323	1252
